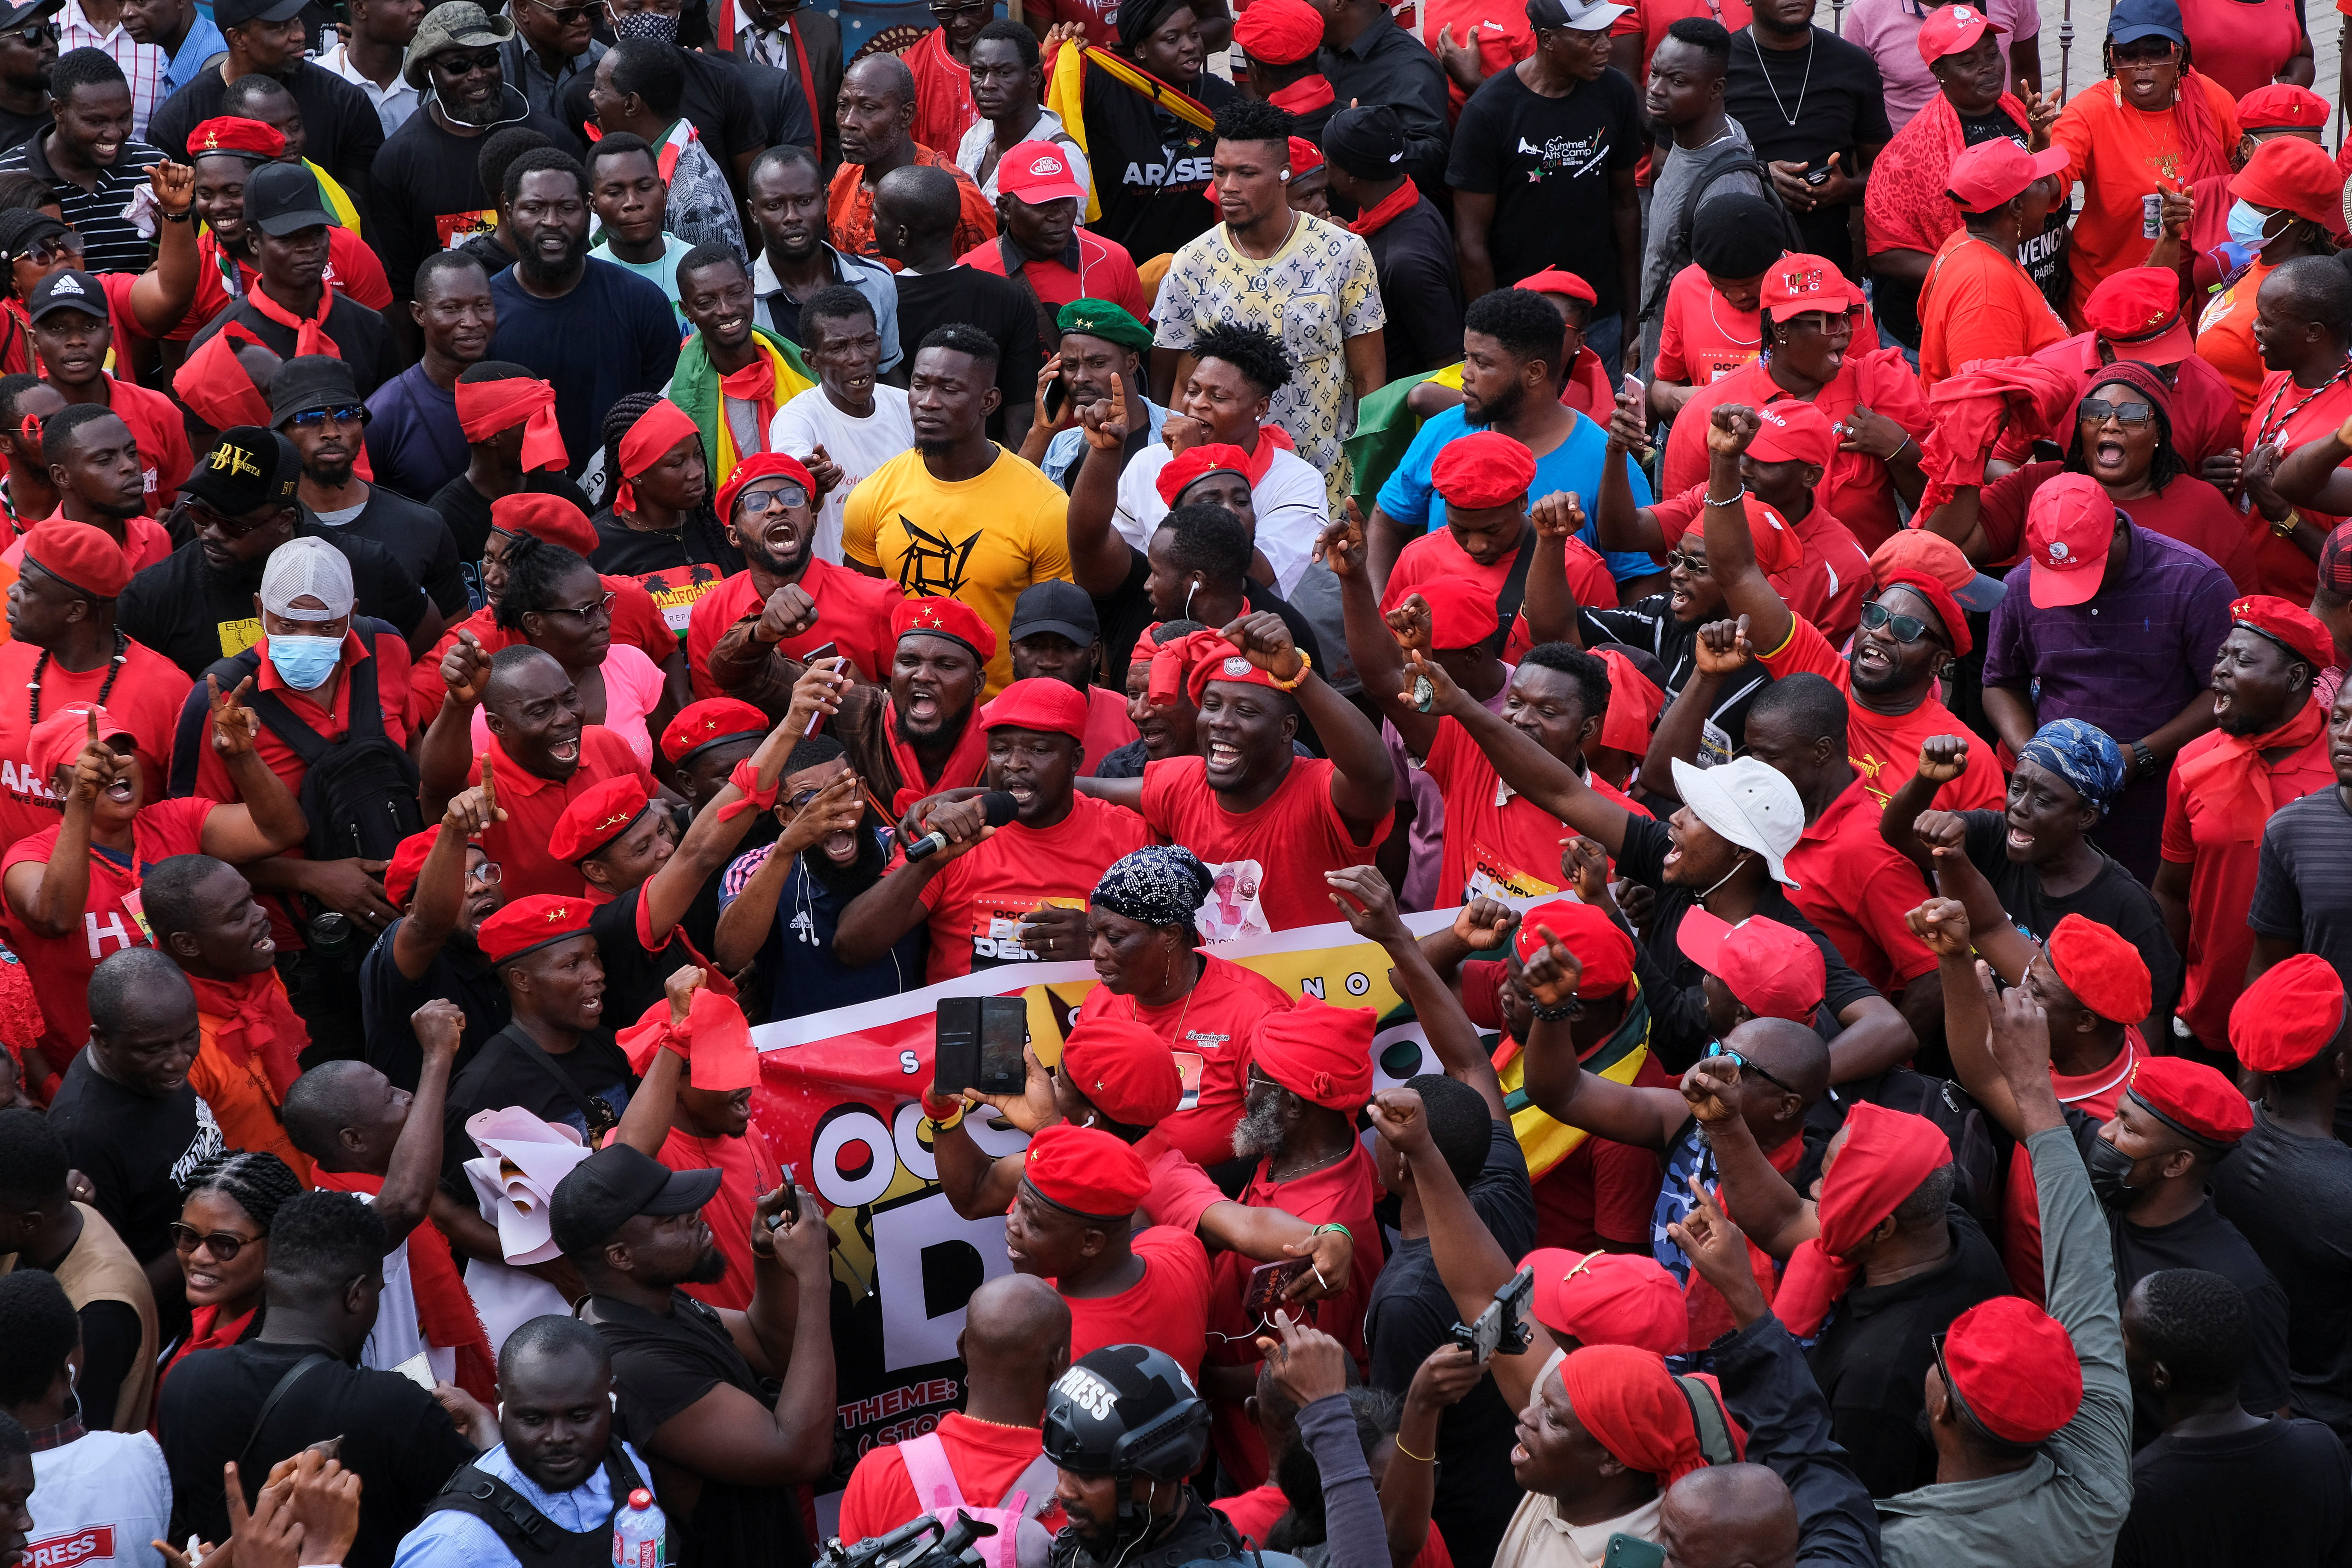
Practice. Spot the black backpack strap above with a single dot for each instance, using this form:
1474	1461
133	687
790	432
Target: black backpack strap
1731	158
366	710
1708	1422
190	740
530	1049
293	1375
1515	586
522	1528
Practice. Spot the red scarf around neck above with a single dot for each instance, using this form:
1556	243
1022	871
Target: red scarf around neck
309	333
2240	780
445	1312
257	1024
1271	438
755	384
1305	96
964	764
1388	208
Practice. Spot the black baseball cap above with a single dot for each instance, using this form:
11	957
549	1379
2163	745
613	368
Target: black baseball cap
281	198
308	381
68	290
612	1187
247	468
237	13
1054	605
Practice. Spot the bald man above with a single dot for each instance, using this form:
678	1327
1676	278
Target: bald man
877	119
1015	1342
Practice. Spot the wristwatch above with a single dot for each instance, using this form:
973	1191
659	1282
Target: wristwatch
2143	760
2285	527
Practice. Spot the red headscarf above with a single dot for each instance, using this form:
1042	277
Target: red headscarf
659	428
487	407
1637	1409
1886	1154
216	387
1173	662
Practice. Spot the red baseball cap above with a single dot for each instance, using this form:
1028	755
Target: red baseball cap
2296	176
2282	106
57	742
1910	549
1608	1299
1774	971
2191	1098
1604	952
1992	173
1794	431
1560	280
1046	704
2013	1368
1797	283
2069	526
2137	312
1037	172
1462	613
1949	29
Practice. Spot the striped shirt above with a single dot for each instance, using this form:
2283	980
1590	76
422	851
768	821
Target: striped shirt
142	64
109	244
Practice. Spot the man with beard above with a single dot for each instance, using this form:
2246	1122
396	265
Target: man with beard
28	54
73	334
267	38
427	185
292	306
689	1377
919	735
1099	341
415	442
594	332
850	422
90	159
445	885
733	375
1007	81
1110	1487
315	404
1056	637
749	636
1017	894
556	1458
795	263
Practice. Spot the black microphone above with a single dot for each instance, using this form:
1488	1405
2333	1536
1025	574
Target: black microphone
996	807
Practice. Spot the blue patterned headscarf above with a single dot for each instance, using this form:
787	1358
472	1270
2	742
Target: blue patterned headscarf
1159	885
2083	754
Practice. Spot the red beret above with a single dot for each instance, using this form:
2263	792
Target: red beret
1198	463
1462	613
1052	706
81	557
1305	156
230	133
2286	622
549	518
57	742
1318	1052
1125	1070
1605	952
599	814
1772	970
1279	31
2289	1015
1086	1171
2014	1369
949	618
764	466
1558	280
528	924
710	721
1482	469
407	861
2192	1097
2106	972
2282	106
1608	1299
1634	704
2137	311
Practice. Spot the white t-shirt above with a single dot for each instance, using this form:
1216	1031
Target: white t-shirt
1291	503
397	1336
858	446
98	1501
973	150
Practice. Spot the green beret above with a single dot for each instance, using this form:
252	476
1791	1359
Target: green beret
1101	318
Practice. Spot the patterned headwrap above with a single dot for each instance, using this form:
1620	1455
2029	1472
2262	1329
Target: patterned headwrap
1159	885
1101	318
2083	755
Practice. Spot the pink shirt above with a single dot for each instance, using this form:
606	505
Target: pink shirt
1889	30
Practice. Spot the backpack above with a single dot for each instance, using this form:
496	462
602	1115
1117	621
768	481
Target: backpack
1020	1542
1977	1154
1731	158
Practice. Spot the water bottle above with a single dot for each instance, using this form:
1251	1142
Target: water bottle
638	1531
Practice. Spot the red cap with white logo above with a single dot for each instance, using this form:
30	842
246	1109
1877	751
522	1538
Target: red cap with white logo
1950	29
1797	283
1037	172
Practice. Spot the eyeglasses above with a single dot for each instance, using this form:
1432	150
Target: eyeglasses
595	609
2130	416
1685	561
968	8
786	495
1717	1048
465	65
1877	617
228	527
35	33
223	1245
347	414
564	12
487	874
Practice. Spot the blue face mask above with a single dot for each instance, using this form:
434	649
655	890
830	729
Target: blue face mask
2247	226
304	663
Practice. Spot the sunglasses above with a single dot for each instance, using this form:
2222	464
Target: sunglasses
44	251
223	1245
487	874
564	12
969	9
1684	560
347	414
228	527
1877	617
33	32
786	496
2130	416
1717	1049
465	65
595	609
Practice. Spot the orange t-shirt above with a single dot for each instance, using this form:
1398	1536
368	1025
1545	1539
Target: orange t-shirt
238	1093
1979	303
2225	338
2121	155
849	209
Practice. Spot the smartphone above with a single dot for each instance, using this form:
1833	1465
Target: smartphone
784	1216
1625	1551
1058	393
1818	176
1266	1283
978	1042
1503	1324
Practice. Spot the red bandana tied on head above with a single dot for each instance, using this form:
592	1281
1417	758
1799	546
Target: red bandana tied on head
1173	663
487	407
259	1023
1634	704
714	1040
1637	1410
659	428
216	387
1886	1156
1318	1052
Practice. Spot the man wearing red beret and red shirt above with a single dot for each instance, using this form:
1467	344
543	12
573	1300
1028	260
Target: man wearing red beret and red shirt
921	734
1014	893
1977	303
788	604
1267	824
235	147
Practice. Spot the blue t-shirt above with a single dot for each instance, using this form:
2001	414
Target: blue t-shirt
414	441
797	962
613	334
1573	465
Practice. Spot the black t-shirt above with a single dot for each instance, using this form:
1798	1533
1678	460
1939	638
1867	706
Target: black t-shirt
1410	1313
1547	162
2205	1240
193	616
2288	1195
799	970
997	306
361	337
2279	1493
661	1366
428	186
340	131
511	1069
135	1150
1413	258
389	998
1832	89
1872	1358
467	510
416	538
633	977
17	129
395	1437
1678	1031
2303	888
1154	168
1895	302
1650	624
2113	898
112	1335
625	552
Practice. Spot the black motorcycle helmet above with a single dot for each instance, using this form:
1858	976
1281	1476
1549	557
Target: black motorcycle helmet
1127	1410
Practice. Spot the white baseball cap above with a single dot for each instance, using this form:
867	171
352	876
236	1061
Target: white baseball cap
311	567
1751	803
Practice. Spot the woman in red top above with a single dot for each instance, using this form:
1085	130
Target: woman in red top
222	1239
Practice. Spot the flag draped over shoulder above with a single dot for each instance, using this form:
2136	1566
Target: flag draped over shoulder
1066	95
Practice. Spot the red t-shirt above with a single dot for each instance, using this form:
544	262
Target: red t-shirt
1434	556
1505	850
145	701
1827	587
1168	1308
1884	747
351	268
746	1167
1098	18
2295	416
1105	271
1268	863
157	426
2221	865
1702	336
1979	303
1651	18
1857	889
985	1459
1255	1512
636	621
1108	728
532	804
2095	1094
2189	510
1208	1031
332	724
853	613
63	964
978	900
145	541
1505	38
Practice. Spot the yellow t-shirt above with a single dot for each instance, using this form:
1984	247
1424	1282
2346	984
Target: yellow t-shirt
981	540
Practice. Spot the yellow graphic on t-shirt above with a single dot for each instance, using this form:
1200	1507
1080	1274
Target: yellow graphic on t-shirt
236	636
996	925
1492	877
